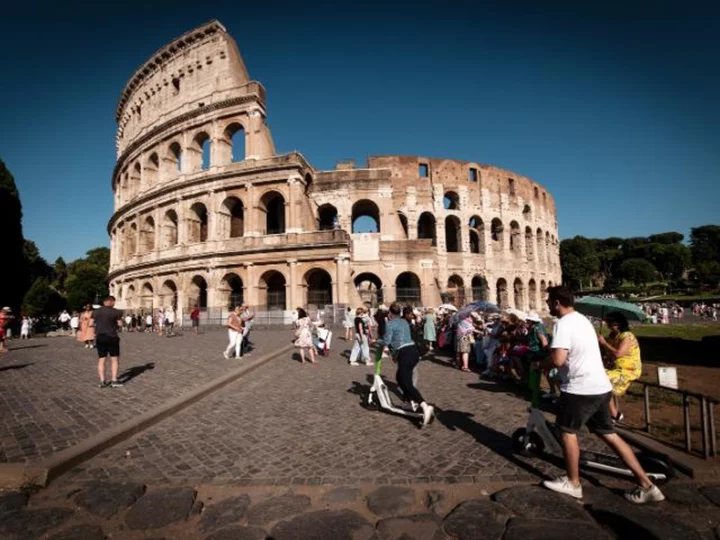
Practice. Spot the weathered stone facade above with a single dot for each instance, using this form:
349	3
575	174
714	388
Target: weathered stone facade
206	212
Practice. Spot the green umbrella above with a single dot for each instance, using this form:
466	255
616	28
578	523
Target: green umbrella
595	306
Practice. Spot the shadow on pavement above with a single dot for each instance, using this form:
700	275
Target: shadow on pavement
130	373
17	366
28	347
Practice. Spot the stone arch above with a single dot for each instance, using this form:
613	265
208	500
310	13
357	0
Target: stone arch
272	204
151	170
232	218
132	241
231	290
235	137
502	294
175	159
497	234
527	211
532	295
170	229
427	227
147	235
135	180
130	296
480	288
455	290
540	244
327	217
201	151
369	288
529	244
451	201
408	289
198	292
478	228
272	287
365	217
519	294
147	296
319	288
404	224
515	238
453	236
169	294
197	223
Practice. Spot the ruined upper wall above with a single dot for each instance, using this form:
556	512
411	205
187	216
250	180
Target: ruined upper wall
198	68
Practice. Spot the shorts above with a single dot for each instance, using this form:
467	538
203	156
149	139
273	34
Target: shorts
196	322
107	346
576	411
463	344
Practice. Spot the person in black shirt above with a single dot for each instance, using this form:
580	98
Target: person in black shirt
107	340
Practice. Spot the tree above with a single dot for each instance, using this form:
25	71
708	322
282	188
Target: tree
36	266
85	284
705	243
671	260
61	272
12	270
578	260
638	271
99	256
42	299
666	238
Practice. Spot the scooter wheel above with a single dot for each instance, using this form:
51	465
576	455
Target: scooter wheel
370	402
518	440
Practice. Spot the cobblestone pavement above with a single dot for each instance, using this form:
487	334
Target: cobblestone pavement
48	386
293	424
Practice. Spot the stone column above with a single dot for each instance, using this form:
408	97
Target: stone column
341	281
251	287
252	134
292	288
252	213
291	215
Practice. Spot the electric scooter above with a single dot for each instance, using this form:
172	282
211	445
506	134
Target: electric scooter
379	396
540	437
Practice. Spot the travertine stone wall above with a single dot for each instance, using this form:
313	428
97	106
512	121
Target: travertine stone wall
207	212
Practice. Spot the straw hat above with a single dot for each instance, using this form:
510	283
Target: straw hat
534	317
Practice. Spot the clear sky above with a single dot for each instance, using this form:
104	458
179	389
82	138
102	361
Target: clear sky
614	107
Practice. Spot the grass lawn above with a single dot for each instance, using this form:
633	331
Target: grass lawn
693	332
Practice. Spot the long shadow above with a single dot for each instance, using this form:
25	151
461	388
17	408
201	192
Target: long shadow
16	366
130	373
39	345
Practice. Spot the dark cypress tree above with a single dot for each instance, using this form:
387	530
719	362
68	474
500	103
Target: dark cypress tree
12	263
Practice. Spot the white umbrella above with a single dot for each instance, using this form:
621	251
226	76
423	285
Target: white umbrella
448	307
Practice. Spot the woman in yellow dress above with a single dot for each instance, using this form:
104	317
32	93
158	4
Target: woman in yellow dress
623	351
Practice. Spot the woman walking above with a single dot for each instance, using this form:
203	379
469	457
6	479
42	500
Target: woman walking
87	328
303	336
429	330
348	323
361	345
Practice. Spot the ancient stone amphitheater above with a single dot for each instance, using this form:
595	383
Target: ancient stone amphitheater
208	213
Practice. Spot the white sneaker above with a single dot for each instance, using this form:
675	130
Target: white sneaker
563	485
641	496
428	413
370	363
354	364
226	356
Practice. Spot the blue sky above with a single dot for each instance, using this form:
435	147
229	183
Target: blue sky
614	107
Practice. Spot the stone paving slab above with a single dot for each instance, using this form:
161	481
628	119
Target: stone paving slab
49	394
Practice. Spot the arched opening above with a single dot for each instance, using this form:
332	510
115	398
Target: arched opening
170	229
548	250
529	243
543	293
480	288
496	233
532	295
136	180
232	289
201	145
427	227
168	294
407	289
455	291
175	156
197	223
232	216
132	241
130	296
453	240
519	294
365	217
273	205
319	288
478	227
502	294
152	168
527	212
272	290
369	288
404	224
540	243
328	217
515	238
147	235
451	201
474	242
198	292
235	135
146	299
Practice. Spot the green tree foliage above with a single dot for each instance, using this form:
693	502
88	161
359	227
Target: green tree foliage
666	238
579	261
86	283
705	247
36	266
60	270
42	299
638	271
671	260
12	270
99	257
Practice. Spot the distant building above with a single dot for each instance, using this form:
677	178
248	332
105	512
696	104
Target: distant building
207	213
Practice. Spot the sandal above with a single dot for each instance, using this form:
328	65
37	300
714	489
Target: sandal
466	370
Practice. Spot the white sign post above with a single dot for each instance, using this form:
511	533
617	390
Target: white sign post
667	377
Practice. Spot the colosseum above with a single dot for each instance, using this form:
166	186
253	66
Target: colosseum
206	211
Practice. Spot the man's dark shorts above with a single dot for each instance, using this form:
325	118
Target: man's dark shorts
107	346
576	411
196	322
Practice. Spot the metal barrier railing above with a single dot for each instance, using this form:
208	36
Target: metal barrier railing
707	417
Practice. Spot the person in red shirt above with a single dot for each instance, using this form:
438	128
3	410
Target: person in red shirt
195	318
5	317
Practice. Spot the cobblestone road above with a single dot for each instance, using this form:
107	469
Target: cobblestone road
289	423
48	386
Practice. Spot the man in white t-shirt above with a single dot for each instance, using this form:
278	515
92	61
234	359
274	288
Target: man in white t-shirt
585	398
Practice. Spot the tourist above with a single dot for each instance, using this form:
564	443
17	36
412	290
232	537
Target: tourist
405	353
381	320
624	364
64	320
195	318
585	398
127	327
429	330
149	322
160	322
463	342
234	326
247	322
86	335
107	340
361	345
5	318
169	320
348	323
303	336
25	328
74	323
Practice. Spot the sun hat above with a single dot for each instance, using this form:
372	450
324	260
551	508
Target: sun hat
534	317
